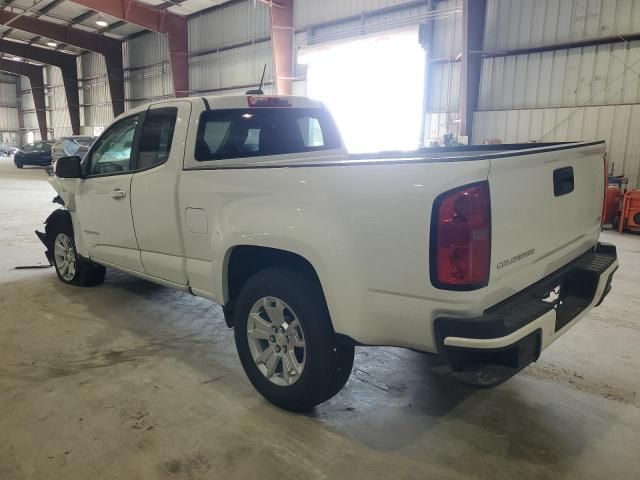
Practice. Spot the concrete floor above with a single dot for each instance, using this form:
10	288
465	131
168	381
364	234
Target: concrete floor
131	380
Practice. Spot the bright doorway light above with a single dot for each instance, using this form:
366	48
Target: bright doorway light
374	88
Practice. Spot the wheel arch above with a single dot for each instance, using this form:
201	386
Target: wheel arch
57	217
243	261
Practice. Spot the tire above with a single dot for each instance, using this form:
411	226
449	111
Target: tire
326	364
70	267
19	164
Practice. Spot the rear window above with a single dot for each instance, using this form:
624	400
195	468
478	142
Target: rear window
240	133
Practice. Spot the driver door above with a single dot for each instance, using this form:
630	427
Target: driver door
103	198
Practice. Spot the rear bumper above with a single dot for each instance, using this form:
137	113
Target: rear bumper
487	350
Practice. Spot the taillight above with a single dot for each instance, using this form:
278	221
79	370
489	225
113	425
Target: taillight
461	238
604	191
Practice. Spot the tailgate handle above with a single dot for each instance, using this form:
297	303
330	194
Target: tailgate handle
563	182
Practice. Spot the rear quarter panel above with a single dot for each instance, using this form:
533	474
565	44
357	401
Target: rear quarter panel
365	229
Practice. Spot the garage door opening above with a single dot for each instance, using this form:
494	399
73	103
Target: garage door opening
374	88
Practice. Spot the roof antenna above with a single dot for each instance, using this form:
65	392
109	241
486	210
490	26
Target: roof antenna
259	90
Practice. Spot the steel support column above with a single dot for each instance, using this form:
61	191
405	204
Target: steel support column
177	33
282	42
68	66
157	20
110	48
36	80
473	13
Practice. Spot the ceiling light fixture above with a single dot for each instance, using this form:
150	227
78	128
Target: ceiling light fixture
15	58
52	44
101	22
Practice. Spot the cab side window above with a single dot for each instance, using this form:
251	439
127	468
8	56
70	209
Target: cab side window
112	153
156	137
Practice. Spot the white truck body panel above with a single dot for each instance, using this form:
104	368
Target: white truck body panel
362	222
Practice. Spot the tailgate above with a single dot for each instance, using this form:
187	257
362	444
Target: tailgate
545	211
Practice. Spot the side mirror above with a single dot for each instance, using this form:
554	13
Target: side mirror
68	167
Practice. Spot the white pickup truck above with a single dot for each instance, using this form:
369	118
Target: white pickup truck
483	255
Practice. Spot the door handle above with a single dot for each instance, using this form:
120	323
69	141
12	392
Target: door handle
117	193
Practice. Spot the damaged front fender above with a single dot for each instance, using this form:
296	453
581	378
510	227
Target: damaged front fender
46	237
65	197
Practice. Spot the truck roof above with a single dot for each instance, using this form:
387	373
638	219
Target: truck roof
247	101
237	101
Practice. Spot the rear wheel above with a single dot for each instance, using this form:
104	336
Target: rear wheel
70	267
286	342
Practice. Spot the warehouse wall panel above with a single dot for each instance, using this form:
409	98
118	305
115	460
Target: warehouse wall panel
231	68
231	24
59	121
309	12
617	124
26	109
599	75
96	111
147	70
444	87
447	38
514	24
371	24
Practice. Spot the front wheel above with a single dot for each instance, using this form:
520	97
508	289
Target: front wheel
286	343
19	164
70	267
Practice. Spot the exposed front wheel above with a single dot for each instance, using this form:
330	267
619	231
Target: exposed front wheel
286	342
70	267
19	164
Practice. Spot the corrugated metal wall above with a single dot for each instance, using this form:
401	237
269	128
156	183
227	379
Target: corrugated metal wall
229	25
216	67
96	111
310	12
444	77
618	125
147	70
238	67
27	110
601	75
524	23
58	119
397	15
9	126
583	93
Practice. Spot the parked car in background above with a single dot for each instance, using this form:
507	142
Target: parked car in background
77	145
7	150
37	153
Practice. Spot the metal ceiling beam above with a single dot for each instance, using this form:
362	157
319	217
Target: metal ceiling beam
68	66
157	20
49	7
83	16
169	4
110	48
282	41
473	20
36	80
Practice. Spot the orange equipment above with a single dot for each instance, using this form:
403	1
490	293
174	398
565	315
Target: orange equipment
630	212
